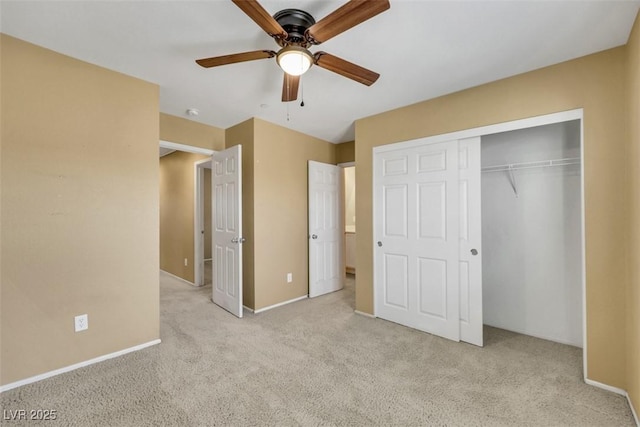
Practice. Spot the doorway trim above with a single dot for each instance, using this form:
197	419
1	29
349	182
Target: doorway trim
188	148
546	119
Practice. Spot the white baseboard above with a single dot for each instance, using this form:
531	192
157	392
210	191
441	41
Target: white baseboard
179	278
362	313
50	374
248	309
615	390
607	387
280	304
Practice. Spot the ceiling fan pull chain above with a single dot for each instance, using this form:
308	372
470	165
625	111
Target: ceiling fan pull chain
302	92
287	111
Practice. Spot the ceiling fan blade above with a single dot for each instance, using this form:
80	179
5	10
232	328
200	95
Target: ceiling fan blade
236	57
290	87
345	17
345	68
261	17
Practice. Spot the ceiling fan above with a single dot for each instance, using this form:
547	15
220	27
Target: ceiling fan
295	31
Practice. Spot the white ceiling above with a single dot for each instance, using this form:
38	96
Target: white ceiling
422	49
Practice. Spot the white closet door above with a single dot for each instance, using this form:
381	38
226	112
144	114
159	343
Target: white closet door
416	237
470	242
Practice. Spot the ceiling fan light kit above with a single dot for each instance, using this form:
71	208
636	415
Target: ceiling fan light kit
294	60
295	31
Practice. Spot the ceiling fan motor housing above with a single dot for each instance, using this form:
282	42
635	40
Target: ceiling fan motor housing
295	22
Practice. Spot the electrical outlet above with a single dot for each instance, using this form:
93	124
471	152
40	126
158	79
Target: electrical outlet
186	262
82	322
289	277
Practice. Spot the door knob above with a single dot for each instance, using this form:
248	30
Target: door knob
313	236
234	240
379	243
474	252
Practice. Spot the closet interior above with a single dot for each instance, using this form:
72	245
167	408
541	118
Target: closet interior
532	232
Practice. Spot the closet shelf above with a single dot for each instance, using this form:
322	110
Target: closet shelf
529	165
532	165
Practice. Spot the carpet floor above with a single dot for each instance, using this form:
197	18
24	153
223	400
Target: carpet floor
316	363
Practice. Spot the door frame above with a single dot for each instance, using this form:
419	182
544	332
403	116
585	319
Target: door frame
546	119
198	219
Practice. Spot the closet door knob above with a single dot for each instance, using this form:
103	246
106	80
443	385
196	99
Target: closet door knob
474	252
313	236
379	243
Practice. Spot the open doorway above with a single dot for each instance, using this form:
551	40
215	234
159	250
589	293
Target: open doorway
177	209
349	214
202	222
349	172
183	217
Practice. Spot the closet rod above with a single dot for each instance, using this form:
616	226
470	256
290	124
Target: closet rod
531	165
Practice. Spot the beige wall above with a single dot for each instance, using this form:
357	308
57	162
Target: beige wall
595	83
280	204
633	294
346	152
177	213
188	132
242	134
79	210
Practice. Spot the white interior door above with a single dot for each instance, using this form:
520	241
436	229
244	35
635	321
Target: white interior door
471	321
326	264
226	176
416	233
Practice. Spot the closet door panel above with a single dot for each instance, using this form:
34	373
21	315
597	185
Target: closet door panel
396	212
416	237
432	210
470	255
432	287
